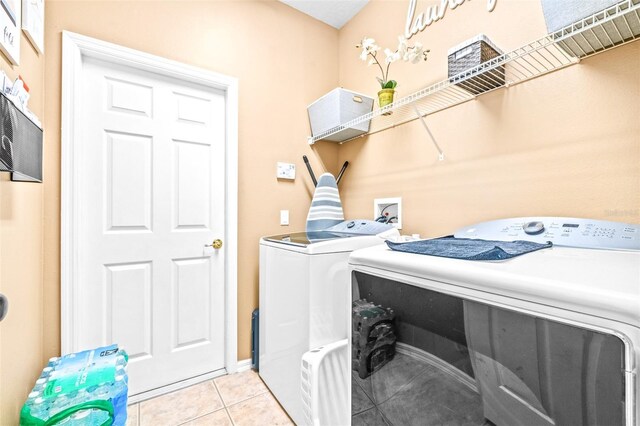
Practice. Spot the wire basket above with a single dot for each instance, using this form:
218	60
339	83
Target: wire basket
470	54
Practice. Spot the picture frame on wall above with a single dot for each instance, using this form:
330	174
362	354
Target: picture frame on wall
33	22
10	24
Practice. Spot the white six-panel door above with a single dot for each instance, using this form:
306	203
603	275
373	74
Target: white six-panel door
152	191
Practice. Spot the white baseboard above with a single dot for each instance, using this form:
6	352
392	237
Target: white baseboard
243	365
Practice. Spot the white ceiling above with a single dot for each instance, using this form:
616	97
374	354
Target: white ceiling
333	12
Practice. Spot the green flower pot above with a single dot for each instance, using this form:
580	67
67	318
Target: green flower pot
385	97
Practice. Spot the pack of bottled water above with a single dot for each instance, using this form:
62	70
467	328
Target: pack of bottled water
86	388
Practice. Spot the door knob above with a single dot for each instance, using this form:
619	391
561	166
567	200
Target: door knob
4	306
216	244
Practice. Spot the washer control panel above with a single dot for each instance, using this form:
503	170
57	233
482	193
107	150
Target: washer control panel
561	231
360	227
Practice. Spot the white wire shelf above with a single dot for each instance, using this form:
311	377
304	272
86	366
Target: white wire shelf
607	29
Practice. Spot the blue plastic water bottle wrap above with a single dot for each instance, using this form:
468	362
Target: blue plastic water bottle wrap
84	388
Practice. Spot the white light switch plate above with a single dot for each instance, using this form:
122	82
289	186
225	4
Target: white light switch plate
286	171
284	217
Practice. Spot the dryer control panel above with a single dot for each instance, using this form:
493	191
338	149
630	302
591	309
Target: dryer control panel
561	231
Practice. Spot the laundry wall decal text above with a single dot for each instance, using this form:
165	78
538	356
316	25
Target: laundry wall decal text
432	14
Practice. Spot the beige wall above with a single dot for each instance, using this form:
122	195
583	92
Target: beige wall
281	58
567	143
564	144
21	233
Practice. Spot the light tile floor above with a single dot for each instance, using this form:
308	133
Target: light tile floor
240	399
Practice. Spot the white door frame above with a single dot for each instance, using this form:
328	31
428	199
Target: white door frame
75	48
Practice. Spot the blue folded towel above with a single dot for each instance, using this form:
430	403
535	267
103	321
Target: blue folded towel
468	249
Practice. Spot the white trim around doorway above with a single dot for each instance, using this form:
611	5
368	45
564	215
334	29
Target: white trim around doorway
75	48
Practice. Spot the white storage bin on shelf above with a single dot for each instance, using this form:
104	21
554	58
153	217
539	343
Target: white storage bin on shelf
330	113
559	14
587	27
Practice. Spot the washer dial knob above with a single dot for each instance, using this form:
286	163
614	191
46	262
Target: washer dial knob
533	228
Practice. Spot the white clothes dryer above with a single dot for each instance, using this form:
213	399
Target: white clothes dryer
551	337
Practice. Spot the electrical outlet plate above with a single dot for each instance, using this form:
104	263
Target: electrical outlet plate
286	171
389	207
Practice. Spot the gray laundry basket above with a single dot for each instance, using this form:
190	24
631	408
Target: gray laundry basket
334	109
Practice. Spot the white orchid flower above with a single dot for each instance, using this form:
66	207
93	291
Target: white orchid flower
416	55
391	57
368	43
402	46
369	47
411	55
405	52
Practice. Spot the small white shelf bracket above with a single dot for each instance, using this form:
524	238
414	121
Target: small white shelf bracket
424	124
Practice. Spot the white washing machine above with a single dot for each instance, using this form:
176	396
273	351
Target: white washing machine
304	285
